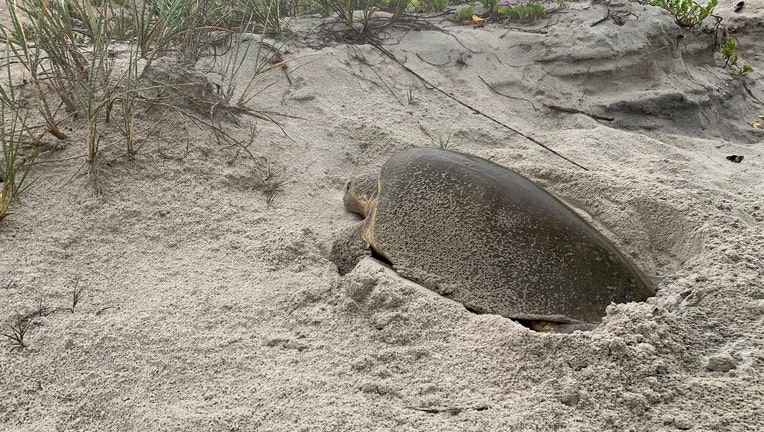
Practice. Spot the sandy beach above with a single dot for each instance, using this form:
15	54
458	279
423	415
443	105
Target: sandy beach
209	302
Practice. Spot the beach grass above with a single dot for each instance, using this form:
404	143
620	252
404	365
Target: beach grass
86	60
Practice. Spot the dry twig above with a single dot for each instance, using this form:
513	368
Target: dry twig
578	111
387	53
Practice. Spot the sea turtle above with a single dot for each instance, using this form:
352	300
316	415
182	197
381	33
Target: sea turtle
487	237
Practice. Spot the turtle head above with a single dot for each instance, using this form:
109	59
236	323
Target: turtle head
361	194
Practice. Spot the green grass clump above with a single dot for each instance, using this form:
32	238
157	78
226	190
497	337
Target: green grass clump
524	13
687	13
489	5
427	5
464	14
266	13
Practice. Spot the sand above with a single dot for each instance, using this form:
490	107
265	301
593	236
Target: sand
205	307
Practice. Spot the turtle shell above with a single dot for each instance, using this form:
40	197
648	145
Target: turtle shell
491	239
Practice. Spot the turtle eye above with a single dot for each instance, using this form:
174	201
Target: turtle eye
347	187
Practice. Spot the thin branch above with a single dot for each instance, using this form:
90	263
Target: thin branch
578	111
387	53
505	95
601	20
362	60
449	410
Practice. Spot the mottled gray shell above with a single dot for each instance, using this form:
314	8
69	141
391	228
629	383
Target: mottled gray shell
487	237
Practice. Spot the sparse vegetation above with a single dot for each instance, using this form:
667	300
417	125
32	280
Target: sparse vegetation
530	12
445	144
489	5
18	48
358	14
14	168
267	13
77	293
16	331
464	14
690	14
428	5
250	57
94	57
271	182
731	59
687	13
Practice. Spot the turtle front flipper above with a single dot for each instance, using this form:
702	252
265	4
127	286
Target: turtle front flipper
349	248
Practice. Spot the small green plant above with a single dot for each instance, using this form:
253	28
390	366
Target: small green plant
731	59
687	13
410	97
464	14
526	13
489	5
427	5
